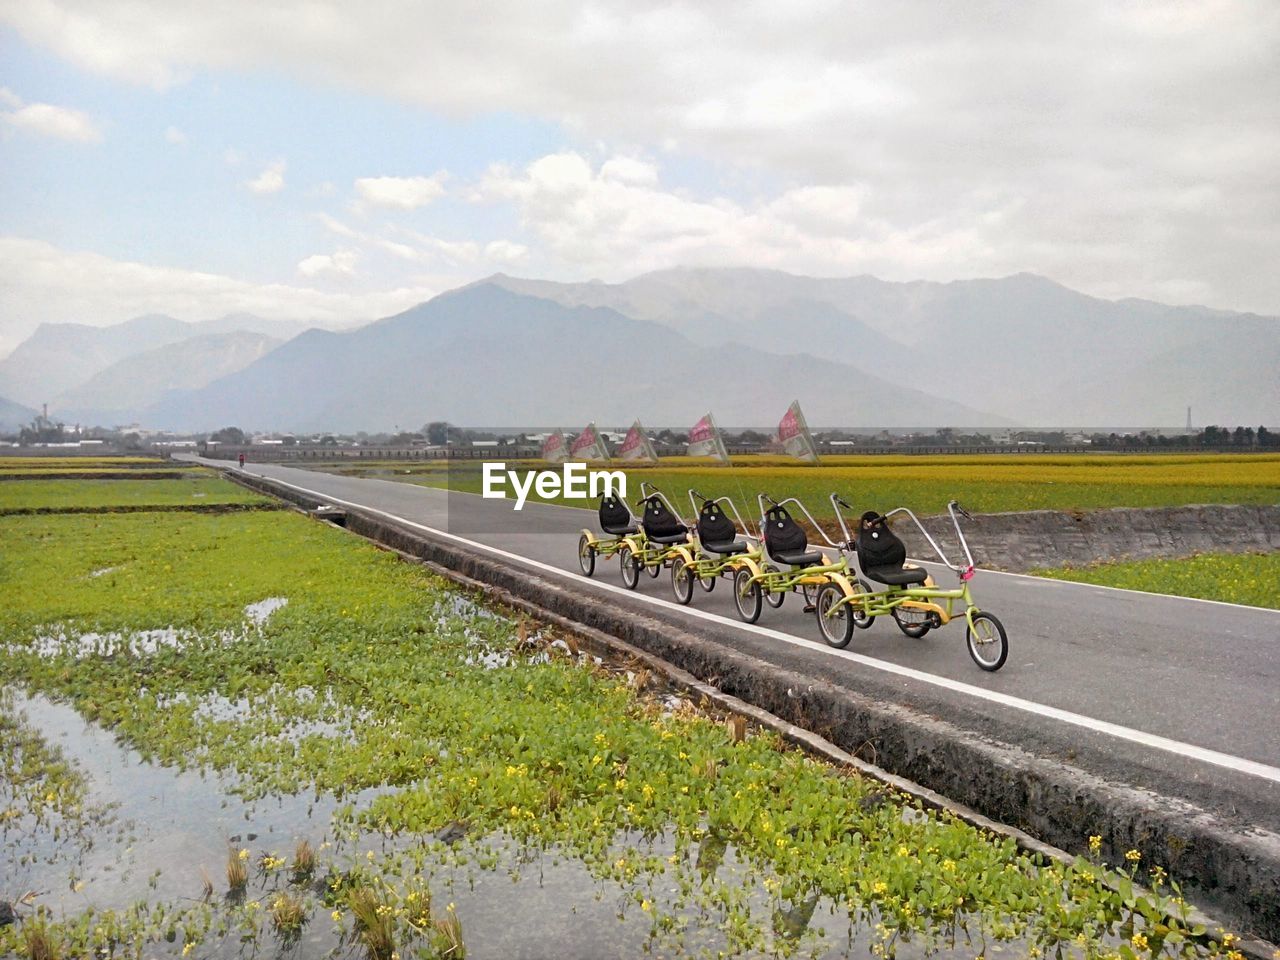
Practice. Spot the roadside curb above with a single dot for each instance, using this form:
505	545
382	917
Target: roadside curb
1052	806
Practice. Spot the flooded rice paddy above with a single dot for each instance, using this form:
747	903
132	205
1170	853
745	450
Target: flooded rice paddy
259	736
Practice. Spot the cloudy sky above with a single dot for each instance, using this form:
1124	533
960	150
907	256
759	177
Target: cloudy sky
335	161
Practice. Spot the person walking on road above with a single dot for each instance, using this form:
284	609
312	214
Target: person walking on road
242	461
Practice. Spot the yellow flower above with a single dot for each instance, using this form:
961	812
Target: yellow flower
337	916
1140	941
187	948
879	887
243	854
948	864
1133	856
1095	843
903	851
646	906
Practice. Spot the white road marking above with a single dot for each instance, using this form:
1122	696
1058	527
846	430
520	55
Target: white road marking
1190	751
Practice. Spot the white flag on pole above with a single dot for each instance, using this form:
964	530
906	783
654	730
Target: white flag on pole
704	440
554	449
636	445
589	445
793	435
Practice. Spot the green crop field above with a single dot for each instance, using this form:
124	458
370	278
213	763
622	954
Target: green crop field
201	487
402	712
23	465
1248	578
986	484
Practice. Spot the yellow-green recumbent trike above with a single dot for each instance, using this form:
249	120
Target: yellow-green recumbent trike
787	564
910	596
618	522
655	544
717	548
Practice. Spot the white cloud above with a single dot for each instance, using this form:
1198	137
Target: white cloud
595	224
42	283
175	136
343	263
629	170
414	247
48	120
506	252
401	193
270	180
957	121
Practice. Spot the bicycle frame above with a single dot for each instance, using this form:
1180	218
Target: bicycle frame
649	555
775	581
705	566
924	598
608	546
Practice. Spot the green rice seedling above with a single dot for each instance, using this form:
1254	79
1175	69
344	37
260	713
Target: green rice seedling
374	922
447	938
40	941
288	914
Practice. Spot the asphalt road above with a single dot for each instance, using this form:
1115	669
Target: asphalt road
1165	693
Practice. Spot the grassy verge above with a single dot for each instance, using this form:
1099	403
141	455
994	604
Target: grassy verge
199	488
987	484
1248	578
28	466
379	683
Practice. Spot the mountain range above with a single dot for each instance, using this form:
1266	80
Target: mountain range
1023	346
666	346
59	357
487	355
14	416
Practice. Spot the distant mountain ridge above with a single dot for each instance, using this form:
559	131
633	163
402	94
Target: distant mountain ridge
119	393
1021	346
487	355
14	416
1020	350
59	357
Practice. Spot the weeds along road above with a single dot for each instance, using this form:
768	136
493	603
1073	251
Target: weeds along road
1177	696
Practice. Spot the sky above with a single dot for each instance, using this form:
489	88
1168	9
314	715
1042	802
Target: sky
339	162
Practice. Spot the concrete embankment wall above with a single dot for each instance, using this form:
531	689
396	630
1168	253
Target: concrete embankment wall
1233	871
1050	538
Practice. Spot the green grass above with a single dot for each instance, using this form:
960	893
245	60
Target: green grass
1248	578
199	488
986	484
72	463
550	751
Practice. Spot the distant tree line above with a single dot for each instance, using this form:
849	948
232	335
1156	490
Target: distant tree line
1213	436
440	433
